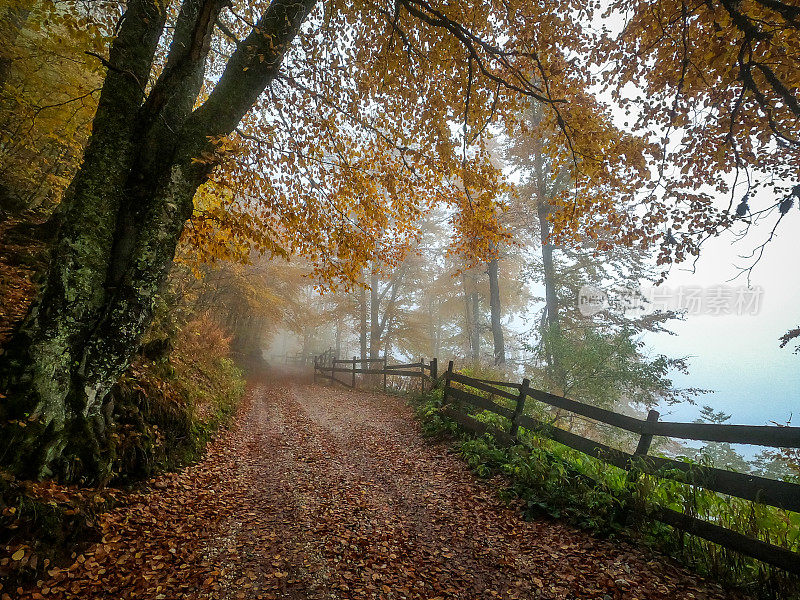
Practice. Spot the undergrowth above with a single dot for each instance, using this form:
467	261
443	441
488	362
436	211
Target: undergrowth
166	407
555	481
169	406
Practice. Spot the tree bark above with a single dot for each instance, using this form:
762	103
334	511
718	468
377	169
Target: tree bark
362	304
496	312
472	316
120	223
374	317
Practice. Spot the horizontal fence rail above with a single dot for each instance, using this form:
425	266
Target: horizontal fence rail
328	366
760	435
780	494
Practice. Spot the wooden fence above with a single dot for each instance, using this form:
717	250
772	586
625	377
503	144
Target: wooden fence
298	359
780	494
328	365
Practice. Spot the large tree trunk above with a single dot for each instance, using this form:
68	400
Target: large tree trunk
120	222
496	312
39	374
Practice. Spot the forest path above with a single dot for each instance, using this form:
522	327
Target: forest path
326	493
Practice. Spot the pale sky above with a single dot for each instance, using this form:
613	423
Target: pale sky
739	355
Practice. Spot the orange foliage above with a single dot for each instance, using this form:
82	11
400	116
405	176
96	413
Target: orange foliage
202	339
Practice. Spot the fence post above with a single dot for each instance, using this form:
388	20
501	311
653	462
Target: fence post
384	373
447	381
647	438
642	448
434	370
632	476
354	372
421	375
523	394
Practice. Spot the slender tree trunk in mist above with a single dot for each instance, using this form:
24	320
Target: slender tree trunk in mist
467	330
496	312
551	323
476	327
548	266
374	317
338	336
362	331
434	329
546	187
472	312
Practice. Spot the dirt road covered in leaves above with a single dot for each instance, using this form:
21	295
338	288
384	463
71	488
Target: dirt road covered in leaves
324	493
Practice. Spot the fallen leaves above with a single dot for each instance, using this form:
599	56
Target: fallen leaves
319	493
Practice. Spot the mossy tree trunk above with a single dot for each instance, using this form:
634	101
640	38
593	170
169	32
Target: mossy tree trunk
119	225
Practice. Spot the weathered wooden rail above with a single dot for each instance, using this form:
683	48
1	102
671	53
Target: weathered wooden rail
780	494
327	366
299	359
